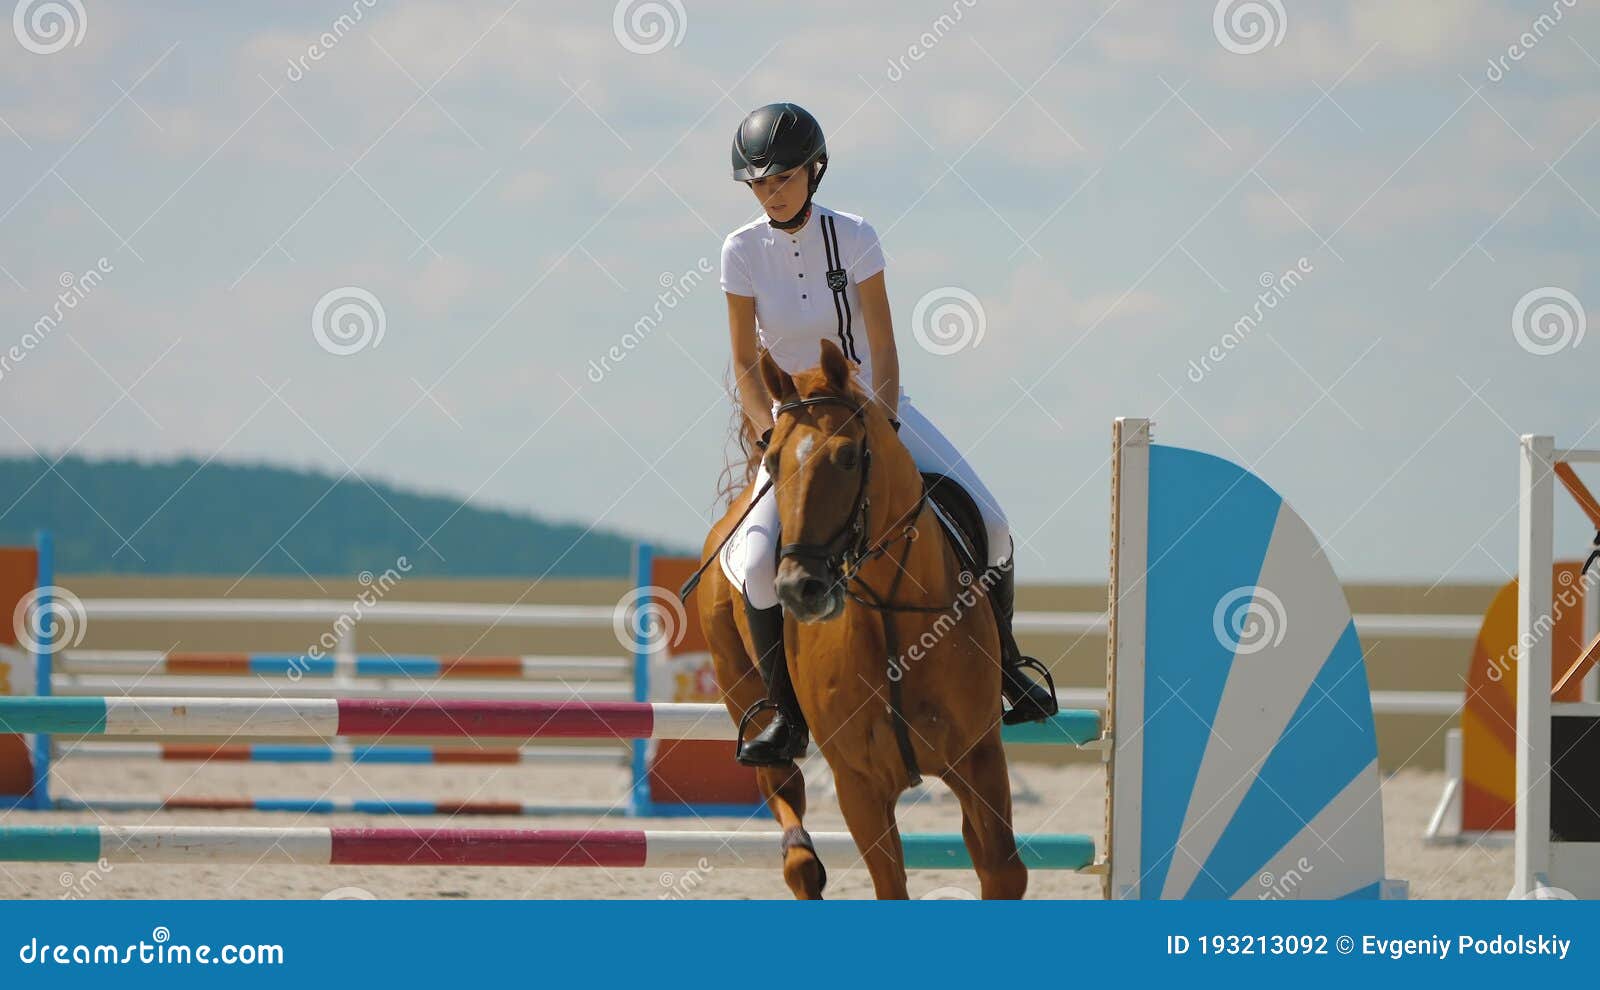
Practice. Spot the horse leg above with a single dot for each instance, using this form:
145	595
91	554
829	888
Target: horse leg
982	785
784	789
869	814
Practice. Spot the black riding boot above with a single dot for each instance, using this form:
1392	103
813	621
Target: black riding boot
1030	701
785	738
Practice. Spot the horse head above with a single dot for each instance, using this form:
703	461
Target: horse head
826	435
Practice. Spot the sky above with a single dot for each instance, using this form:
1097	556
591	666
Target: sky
471	247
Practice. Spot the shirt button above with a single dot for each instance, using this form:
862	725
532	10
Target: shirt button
797	254
802	295
802	274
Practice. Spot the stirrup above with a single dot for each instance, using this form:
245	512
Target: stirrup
764	705
1010	717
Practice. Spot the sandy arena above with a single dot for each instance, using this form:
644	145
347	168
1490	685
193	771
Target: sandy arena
1075	803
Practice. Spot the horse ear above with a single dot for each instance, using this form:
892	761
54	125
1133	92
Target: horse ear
835	366
779	384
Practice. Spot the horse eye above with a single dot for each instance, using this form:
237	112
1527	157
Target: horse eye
848	458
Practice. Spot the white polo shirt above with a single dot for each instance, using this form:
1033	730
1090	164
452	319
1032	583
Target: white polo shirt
805	285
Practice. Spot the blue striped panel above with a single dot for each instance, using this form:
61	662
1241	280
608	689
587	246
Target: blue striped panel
298	805
1068	727
267	753
662	809
946	850
392	754
75	716
1328	742
280	664
50	843
379	807
1210	522
400	665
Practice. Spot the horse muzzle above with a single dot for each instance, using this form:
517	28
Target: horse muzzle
810	593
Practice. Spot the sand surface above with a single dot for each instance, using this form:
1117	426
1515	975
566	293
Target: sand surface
1065	799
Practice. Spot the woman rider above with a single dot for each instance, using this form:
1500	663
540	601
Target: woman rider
802	273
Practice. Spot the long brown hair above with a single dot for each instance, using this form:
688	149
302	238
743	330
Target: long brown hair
738	473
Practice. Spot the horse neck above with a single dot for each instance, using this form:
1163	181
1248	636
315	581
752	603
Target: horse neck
894	491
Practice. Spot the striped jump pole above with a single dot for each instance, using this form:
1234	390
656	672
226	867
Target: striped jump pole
101	685
339	806
485	847
142	663
339	752
326	718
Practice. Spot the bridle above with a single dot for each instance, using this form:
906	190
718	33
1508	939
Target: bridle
844	551
842	555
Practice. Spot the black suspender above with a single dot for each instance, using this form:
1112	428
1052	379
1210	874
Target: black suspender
837	280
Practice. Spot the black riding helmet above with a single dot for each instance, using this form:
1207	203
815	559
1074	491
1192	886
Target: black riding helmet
776	138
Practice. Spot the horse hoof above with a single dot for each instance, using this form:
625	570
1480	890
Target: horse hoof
795	874
807	878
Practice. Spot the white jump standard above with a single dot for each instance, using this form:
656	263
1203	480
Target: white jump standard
1558	743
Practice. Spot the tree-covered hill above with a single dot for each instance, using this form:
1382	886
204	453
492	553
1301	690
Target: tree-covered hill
189	517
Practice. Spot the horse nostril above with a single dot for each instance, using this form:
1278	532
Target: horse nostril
812	588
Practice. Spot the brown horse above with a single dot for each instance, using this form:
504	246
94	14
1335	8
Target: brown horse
894	609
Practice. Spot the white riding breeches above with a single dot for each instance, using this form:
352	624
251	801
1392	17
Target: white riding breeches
750	558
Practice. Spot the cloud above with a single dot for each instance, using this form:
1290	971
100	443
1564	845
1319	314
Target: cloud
444	281
526	187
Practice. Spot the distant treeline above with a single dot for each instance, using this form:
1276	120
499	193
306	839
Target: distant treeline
189	517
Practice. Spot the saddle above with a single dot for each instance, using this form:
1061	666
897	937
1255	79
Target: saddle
960	518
